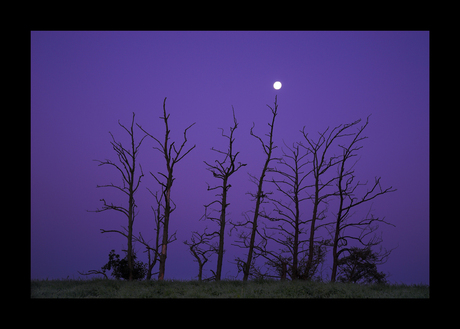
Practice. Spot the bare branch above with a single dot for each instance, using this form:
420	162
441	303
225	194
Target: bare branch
115	231
111	206
93	272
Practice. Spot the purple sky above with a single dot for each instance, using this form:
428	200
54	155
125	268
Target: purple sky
82	83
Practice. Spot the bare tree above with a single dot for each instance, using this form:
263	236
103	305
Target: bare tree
127	159
153	250
321	164
201	247
223	170
290	227
258	197
348	201
172	156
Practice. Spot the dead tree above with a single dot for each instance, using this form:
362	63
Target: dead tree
322	162
223	170
287	215
348	201
172	156
127	158
258	197
201	247
153	250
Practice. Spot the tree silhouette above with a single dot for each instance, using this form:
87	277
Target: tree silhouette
201	247
321	163
223	170
258	197
360	266
153	250
127	169
348	201
288	229
172	156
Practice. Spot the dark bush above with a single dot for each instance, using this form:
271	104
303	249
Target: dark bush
120	269
360	266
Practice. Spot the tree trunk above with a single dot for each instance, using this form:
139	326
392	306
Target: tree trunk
164	244
283	270
220	254
130	250
312	229
295	251
268	149
130	224
254	222
334	256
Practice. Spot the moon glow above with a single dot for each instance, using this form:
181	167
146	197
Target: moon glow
277	85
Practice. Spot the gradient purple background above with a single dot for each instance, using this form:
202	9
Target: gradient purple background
82	83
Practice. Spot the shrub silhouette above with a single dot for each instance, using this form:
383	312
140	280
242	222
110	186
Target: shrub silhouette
360	266
120	268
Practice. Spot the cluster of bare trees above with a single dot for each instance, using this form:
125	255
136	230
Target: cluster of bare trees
309	173
164	205
293	200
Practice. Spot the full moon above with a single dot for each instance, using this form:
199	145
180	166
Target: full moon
277	85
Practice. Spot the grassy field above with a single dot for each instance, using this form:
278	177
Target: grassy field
101	288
